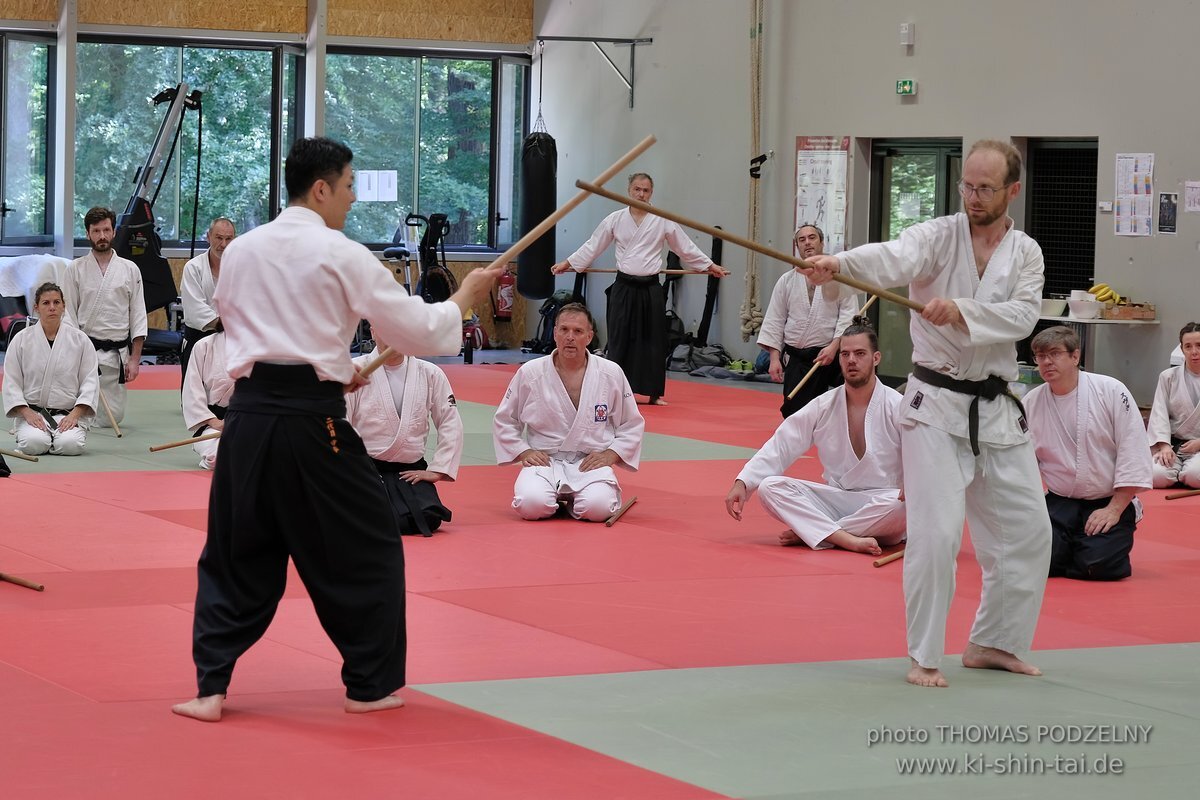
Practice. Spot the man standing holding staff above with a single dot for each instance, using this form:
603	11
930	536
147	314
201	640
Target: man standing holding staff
966	446
292	477
637	326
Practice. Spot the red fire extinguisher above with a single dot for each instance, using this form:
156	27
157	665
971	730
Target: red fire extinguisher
505	296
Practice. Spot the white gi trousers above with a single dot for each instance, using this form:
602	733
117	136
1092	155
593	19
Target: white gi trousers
35	442
1184	469
207	450
815	510
1000	495
538	489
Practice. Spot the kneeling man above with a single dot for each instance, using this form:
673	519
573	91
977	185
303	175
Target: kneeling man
391	414
207	389
567	419
854	427
1091	449
50	381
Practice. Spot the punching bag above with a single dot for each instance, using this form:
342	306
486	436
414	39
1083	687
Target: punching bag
539	175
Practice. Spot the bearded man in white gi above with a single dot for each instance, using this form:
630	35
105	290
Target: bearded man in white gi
800	328
207	389
579	416
198	286
966	446
1091	448
1174	425
104	299
391	414
50	381
637	306
858	508
293	479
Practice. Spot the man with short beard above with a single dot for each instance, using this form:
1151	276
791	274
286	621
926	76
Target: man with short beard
858	508
103	293
800	328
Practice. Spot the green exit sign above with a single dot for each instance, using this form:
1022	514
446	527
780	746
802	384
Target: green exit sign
906	87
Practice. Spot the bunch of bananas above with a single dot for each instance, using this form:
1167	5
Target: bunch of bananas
1104	293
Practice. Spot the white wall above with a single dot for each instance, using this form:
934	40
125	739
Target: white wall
1024	68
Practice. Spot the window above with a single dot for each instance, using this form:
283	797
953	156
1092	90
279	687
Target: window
433	134
24	123
1061	210
117	123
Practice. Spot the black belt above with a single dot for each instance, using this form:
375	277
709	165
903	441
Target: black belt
290	390
113	345
637	280
803	353
396	466
989	389
217	411
49	413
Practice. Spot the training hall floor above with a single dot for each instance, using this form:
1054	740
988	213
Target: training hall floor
676	655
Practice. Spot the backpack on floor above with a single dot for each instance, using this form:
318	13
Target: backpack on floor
543	340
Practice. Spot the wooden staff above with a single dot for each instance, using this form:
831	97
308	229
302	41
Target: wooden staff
862	286
206	437
896	556
1188	493
549	222
107	410
608	523
792	394
6	578
660	272
18	454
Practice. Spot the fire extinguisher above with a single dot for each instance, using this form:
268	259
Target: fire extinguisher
505	296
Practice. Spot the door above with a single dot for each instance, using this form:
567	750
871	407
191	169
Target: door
912	180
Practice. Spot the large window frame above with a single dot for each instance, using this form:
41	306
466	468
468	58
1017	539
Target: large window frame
45	236
510	92
286	111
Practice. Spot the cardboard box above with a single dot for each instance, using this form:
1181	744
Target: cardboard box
1129	311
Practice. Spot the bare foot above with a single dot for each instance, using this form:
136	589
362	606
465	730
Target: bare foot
787	538
926	676
205	709
382	704
658	401
855	544
980	657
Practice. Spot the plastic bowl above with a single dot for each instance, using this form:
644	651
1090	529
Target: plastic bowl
1053	308
1085	309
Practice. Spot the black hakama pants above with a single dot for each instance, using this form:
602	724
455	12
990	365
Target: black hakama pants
637	332
416	507
799	361
294	479
1074	554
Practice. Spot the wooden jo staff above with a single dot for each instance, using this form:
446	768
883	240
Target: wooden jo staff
549	222
778	255
660	272
182	442
608	523
18	454
1188	493
896	556
792	394
107	410
6	578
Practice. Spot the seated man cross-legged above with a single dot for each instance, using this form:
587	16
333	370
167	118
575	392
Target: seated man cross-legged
854	427
567	419
1091	449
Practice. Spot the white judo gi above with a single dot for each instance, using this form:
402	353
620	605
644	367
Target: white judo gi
1102	445
859	496
206	384
54	378
537	405
108	308
999	492
1175	418
639	246
794	320
400	436
196	292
